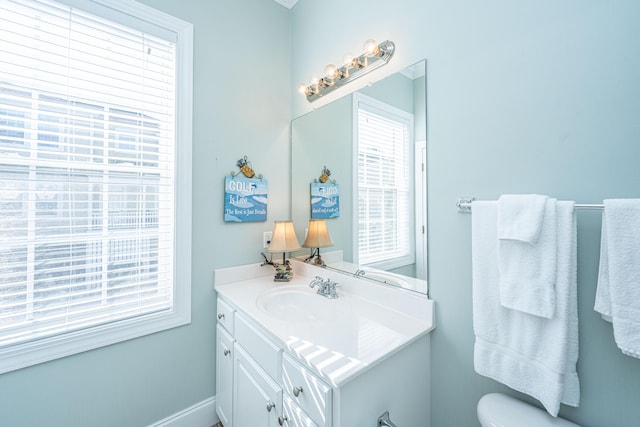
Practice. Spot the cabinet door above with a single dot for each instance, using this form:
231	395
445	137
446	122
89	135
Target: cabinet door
224	376
257	399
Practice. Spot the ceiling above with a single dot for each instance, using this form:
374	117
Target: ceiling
287	3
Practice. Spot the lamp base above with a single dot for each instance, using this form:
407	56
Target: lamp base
284	272
316	258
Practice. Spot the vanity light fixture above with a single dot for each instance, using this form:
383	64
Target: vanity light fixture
317	237
374	56
283	239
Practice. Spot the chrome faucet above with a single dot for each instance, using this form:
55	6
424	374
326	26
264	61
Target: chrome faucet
384	421
359	272
326	287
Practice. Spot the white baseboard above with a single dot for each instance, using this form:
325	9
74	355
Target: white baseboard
202	414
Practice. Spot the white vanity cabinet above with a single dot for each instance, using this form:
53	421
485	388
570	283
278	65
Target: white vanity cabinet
224	362
251	373
224	375
300	360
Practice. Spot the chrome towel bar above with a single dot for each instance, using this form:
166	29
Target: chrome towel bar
464	205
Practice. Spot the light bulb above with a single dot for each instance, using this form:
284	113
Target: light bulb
348	59
330	71
314	81
370	47
302	88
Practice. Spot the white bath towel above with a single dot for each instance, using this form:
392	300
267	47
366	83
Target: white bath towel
520	216
618	292
531	354
528	270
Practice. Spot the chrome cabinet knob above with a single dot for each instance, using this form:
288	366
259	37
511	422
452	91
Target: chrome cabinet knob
270	406
227	352
297	391
282	420
220	316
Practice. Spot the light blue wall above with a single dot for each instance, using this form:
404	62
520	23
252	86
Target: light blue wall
527	96
323	138
237	112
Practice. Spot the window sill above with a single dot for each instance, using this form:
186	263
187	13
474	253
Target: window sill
32	353
393	263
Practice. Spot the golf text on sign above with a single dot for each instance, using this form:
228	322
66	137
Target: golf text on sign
325	200
245	199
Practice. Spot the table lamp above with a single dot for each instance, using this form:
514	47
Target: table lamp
283	239
317	237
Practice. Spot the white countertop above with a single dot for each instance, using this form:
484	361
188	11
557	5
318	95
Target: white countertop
337	338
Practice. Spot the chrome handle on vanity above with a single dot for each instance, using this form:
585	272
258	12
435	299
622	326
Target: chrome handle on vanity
220	316
227	352
270	406
281	420
297	391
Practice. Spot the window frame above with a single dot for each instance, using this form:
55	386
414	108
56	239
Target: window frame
17	356
386	109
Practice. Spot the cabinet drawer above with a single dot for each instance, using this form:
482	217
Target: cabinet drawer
226	315
311	394
294	416
262	349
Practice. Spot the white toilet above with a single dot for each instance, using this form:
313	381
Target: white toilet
500	410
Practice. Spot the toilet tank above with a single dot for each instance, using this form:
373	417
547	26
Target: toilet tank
500	410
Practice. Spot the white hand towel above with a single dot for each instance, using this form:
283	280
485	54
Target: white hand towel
528	270
520	216
618	292
531	354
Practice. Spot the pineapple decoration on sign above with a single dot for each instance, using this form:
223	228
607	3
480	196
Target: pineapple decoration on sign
326	173
245	168
325	197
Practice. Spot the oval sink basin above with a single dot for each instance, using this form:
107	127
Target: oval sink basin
296	303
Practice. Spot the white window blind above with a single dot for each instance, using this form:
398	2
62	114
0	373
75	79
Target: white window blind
385	186
87	171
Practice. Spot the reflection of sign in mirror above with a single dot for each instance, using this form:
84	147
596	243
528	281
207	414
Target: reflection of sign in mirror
245	200
325	200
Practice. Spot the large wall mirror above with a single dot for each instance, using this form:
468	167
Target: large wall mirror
373	142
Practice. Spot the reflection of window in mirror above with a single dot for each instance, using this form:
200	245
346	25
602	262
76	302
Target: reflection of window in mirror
383	184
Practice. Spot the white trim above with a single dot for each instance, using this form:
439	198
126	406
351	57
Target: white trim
392	263
184	155
31	353
421	209
355	250
359	98
202	414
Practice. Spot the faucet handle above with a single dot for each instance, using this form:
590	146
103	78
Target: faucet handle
317	281
326	287
331	289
